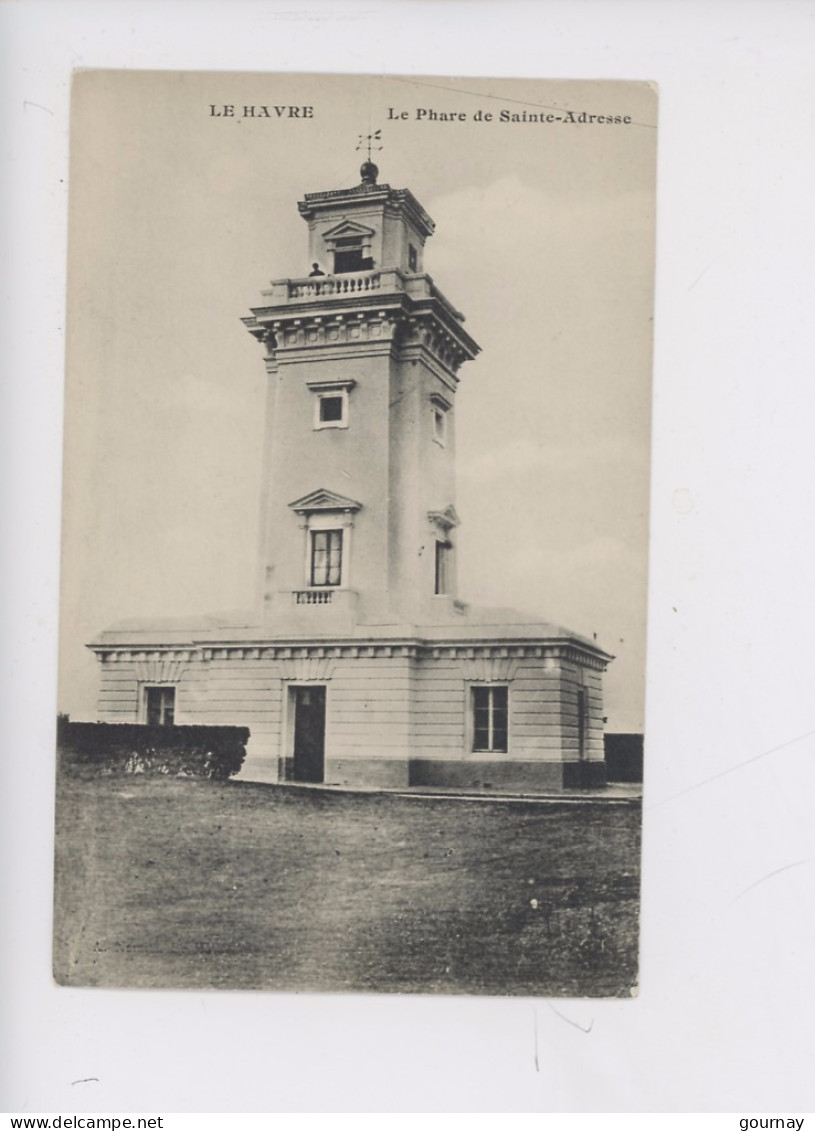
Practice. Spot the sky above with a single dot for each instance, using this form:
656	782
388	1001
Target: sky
179	217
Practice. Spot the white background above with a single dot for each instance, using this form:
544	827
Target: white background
724	1019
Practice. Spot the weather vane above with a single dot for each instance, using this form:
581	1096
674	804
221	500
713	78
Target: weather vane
370	142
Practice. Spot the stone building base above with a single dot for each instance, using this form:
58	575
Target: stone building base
453	774
506	777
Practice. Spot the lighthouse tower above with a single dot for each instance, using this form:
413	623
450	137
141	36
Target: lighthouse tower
363	352
359	664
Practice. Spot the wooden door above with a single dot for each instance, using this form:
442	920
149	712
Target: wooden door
309	734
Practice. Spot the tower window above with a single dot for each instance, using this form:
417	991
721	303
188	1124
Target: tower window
331	407
439	408
581	721
413	258
349	255
159	706
325	567
442	567
439	425
490	719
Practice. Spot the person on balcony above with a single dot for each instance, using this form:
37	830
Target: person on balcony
315	270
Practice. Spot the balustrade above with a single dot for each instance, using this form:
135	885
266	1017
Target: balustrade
328	285
313	596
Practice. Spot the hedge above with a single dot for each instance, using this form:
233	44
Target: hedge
135	748
624	757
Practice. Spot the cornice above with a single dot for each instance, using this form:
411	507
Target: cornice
342	383
421	333
387	295
388	323
416	647
394	200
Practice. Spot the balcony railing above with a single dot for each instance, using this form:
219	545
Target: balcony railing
330	285
313	596
357	284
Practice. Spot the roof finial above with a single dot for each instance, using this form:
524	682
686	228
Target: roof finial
368	171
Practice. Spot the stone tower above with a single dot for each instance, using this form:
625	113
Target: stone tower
363	351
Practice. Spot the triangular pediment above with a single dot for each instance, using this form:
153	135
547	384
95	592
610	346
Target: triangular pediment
346	229
447	519
324	500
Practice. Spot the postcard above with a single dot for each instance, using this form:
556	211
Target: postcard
357	449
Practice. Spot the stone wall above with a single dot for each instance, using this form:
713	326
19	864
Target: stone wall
395	714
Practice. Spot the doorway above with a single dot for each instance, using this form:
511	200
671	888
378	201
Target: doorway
309	734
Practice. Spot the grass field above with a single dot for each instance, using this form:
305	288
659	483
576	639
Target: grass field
183	883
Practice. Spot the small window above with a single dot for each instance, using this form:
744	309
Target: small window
331	409
491	719
325	567
159	706
442	567
413	258
581	721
